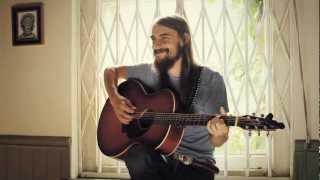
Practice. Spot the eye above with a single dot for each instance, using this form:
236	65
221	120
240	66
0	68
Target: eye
165	38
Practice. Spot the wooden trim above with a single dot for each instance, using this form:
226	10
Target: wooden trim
35	140
35	157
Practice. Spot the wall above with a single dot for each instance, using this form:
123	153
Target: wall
308	22
290	103
38	90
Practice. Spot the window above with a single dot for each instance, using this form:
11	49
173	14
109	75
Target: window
232	37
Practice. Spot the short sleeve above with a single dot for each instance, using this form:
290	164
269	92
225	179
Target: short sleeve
137	71
221	94
144	73
215	94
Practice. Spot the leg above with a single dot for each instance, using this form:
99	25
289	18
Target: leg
189	172
144	163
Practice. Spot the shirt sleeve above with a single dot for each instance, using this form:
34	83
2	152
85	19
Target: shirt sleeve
221	94
139	71
217	96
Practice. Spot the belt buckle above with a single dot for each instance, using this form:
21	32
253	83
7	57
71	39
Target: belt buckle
186	160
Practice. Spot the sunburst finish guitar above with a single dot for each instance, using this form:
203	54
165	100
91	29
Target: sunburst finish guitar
157	124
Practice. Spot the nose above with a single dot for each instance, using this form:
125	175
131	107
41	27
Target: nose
156	44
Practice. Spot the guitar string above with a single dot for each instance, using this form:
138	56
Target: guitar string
195	119
190	116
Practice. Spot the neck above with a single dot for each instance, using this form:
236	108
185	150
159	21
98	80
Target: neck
175	70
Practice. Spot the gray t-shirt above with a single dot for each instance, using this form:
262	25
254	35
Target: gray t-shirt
210	96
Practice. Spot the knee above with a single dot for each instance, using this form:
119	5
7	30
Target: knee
139	160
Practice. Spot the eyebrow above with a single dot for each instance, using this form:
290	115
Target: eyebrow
161	35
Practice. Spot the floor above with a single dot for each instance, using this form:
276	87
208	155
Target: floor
97	179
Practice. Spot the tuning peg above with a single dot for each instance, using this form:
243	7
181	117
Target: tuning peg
268	133
269	117
259	132
253	114
250	133
262	115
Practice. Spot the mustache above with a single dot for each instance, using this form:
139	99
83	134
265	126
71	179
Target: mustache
156	51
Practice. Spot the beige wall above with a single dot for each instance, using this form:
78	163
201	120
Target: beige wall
38	94
35	81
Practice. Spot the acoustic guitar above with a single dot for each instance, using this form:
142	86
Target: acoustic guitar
157	124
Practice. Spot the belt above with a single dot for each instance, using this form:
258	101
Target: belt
190	161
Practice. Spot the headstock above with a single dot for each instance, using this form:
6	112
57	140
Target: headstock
255	123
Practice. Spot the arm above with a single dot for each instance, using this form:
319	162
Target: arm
121	105
218	130
111	77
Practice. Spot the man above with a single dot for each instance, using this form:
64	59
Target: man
173	68
27	26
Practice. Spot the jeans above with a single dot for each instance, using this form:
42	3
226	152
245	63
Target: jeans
144	163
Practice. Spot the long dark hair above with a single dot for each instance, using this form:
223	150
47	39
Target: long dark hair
188	65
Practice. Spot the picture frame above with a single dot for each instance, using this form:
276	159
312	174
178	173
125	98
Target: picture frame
27	24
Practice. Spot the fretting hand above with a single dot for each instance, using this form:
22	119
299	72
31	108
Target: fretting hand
218	129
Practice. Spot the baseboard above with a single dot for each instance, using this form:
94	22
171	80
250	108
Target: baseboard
34	157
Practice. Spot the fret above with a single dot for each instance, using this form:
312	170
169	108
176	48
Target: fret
181	119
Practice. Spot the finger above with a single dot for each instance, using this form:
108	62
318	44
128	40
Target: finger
209	124
220	122
123	114
126	108
222	110
221	126
128	102
213	125
126	115
124	119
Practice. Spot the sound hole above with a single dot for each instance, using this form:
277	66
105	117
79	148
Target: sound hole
137	127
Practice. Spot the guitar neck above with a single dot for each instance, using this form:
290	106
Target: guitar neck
192	119
245	122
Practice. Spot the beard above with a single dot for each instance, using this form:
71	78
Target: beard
163	65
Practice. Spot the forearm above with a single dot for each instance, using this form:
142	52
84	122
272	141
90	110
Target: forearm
111	81
218	141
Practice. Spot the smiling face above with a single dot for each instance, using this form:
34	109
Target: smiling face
165	44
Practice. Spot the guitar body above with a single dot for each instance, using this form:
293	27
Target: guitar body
115	138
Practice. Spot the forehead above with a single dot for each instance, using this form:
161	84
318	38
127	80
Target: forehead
158	30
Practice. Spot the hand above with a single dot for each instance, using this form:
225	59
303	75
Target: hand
123	108
217	127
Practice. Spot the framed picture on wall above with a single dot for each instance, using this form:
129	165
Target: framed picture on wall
27	24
